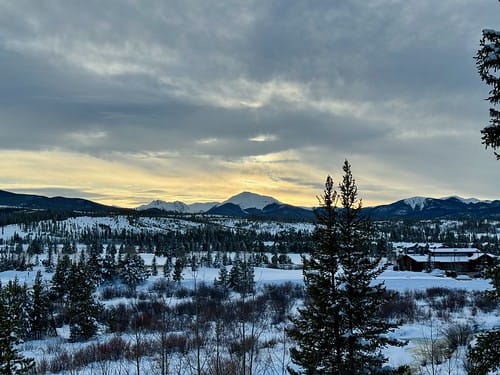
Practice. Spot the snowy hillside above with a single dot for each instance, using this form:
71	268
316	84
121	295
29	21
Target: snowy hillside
416	203
243	200
466	200
176	206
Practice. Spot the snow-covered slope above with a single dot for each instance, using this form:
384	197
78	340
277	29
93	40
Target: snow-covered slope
467	200
416	203
419	203
176	206
251	200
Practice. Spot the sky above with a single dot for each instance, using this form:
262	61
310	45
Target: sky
123	102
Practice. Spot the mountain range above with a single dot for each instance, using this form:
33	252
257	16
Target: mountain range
248	204
422	208
245	204
40	202
251	205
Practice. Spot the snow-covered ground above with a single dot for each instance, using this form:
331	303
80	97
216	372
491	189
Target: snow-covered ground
417	334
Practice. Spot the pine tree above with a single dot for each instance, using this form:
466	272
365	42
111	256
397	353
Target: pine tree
223	280
154	268
20	304
108	269
246	284
60	280
11	361
338	331
167	268
49	262
488	65
483	356
132	270
178	267
41	320
83	309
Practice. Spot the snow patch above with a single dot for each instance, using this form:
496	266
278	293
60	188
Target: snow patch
176	206
416	203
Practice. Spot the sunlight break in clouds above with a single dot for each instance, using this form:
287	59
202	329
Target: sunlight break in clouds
264	138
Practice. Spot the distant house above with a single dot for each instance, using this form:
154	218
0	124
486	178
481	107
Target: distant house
463	260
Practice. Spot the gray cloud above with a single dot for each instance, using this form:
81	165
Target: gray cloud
387	82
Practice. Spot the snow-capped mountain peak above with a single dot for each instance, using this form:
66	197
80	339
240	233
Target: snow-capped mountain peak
244	200
176	206
251	200
467	200
416	203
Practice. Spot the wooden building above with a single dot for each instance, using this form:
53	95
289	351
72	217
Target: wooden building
458	260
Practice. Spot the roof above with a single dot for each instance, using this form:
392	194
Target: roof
445	259
451	250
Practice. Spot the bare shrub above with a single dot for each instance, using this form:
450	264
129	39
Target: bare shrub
240	347
113	291
437	291
61	362
112	350
456	300
224	366
399	306
280	299
445	299
83	356
144	347
117	318
484	302
164	287
458	335
182	293
42	366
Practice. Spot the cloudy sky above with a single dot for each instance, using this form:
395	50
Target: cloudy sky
123	102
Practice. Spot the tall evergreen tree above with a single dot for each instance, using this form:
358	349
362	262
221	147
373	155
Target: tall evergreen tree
41	320
223	280
178	268
167	268
338	330
60	280
109	268
154	267
132	270
83	309
11	361
488	65
483	356
20	305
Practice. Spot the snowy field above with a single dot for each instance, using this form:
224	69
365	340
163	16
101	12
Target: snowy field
393	280
416	334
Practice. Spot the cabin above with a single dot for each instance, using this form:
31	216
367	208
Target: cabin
458	260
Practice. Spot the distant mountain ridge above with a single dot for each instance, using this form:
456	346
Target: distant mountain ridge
421	208
177	206
245	204
248	204
39	202
251	205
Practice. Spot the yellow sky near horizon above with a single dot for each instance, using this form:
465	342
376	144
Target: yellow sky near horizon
132	180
